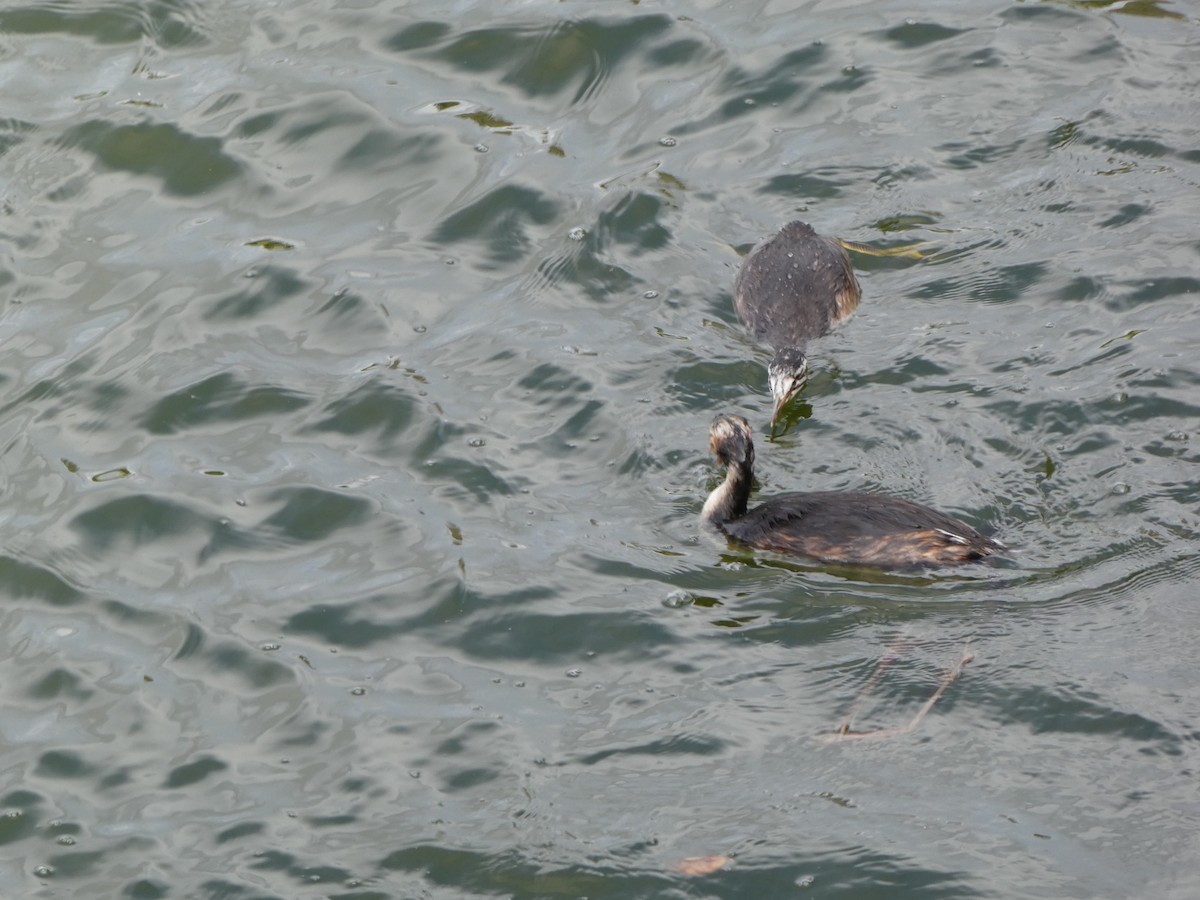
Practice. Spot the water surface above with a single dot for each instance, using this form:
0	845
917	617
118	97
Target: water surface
357	364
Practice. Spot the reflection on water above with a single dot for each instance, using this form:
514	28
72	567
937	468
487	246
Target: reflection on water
358	362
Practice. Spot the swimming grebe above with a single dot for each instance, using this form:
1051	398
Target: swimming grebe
794	286
831	526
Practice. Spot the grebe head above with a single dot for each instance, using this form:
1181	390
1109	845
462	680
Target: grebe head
729	440
787	374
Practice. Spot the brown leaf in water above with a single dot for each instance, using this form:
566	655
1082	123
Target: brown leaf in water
701	865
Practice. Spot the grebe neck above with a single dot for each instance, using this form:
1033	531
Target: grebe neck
728	501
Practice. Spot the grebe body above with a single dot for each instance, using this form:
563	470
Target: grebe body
848	527
794	286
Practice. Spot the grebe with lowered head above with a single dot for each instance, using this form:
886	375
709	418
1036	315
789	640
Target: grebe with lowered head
794	286
832	526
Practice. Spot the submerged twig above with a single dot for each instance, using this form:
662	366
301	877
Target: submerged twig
845	734
894	651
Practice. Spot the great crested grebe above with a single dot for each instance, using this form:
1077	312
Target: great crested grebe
794	286
832	526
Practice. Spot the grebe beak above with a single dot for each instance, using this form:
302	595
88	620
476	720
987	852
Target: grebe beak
789	388
780	403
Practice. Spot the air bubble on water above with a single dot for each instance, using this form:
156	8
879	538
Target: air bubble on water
668	141
650	295
574	672
1120	488
678	599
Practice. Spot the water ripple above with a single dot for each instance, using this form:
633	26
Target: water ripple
170	25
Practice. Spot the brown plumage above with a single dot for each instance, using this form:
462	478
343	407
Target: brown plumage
794	286
832	526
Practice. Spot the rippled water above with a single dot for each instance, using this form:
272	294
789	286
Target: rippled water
357	364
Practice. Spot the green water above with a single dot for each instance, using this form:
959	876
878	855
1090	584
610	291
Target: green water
356	364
